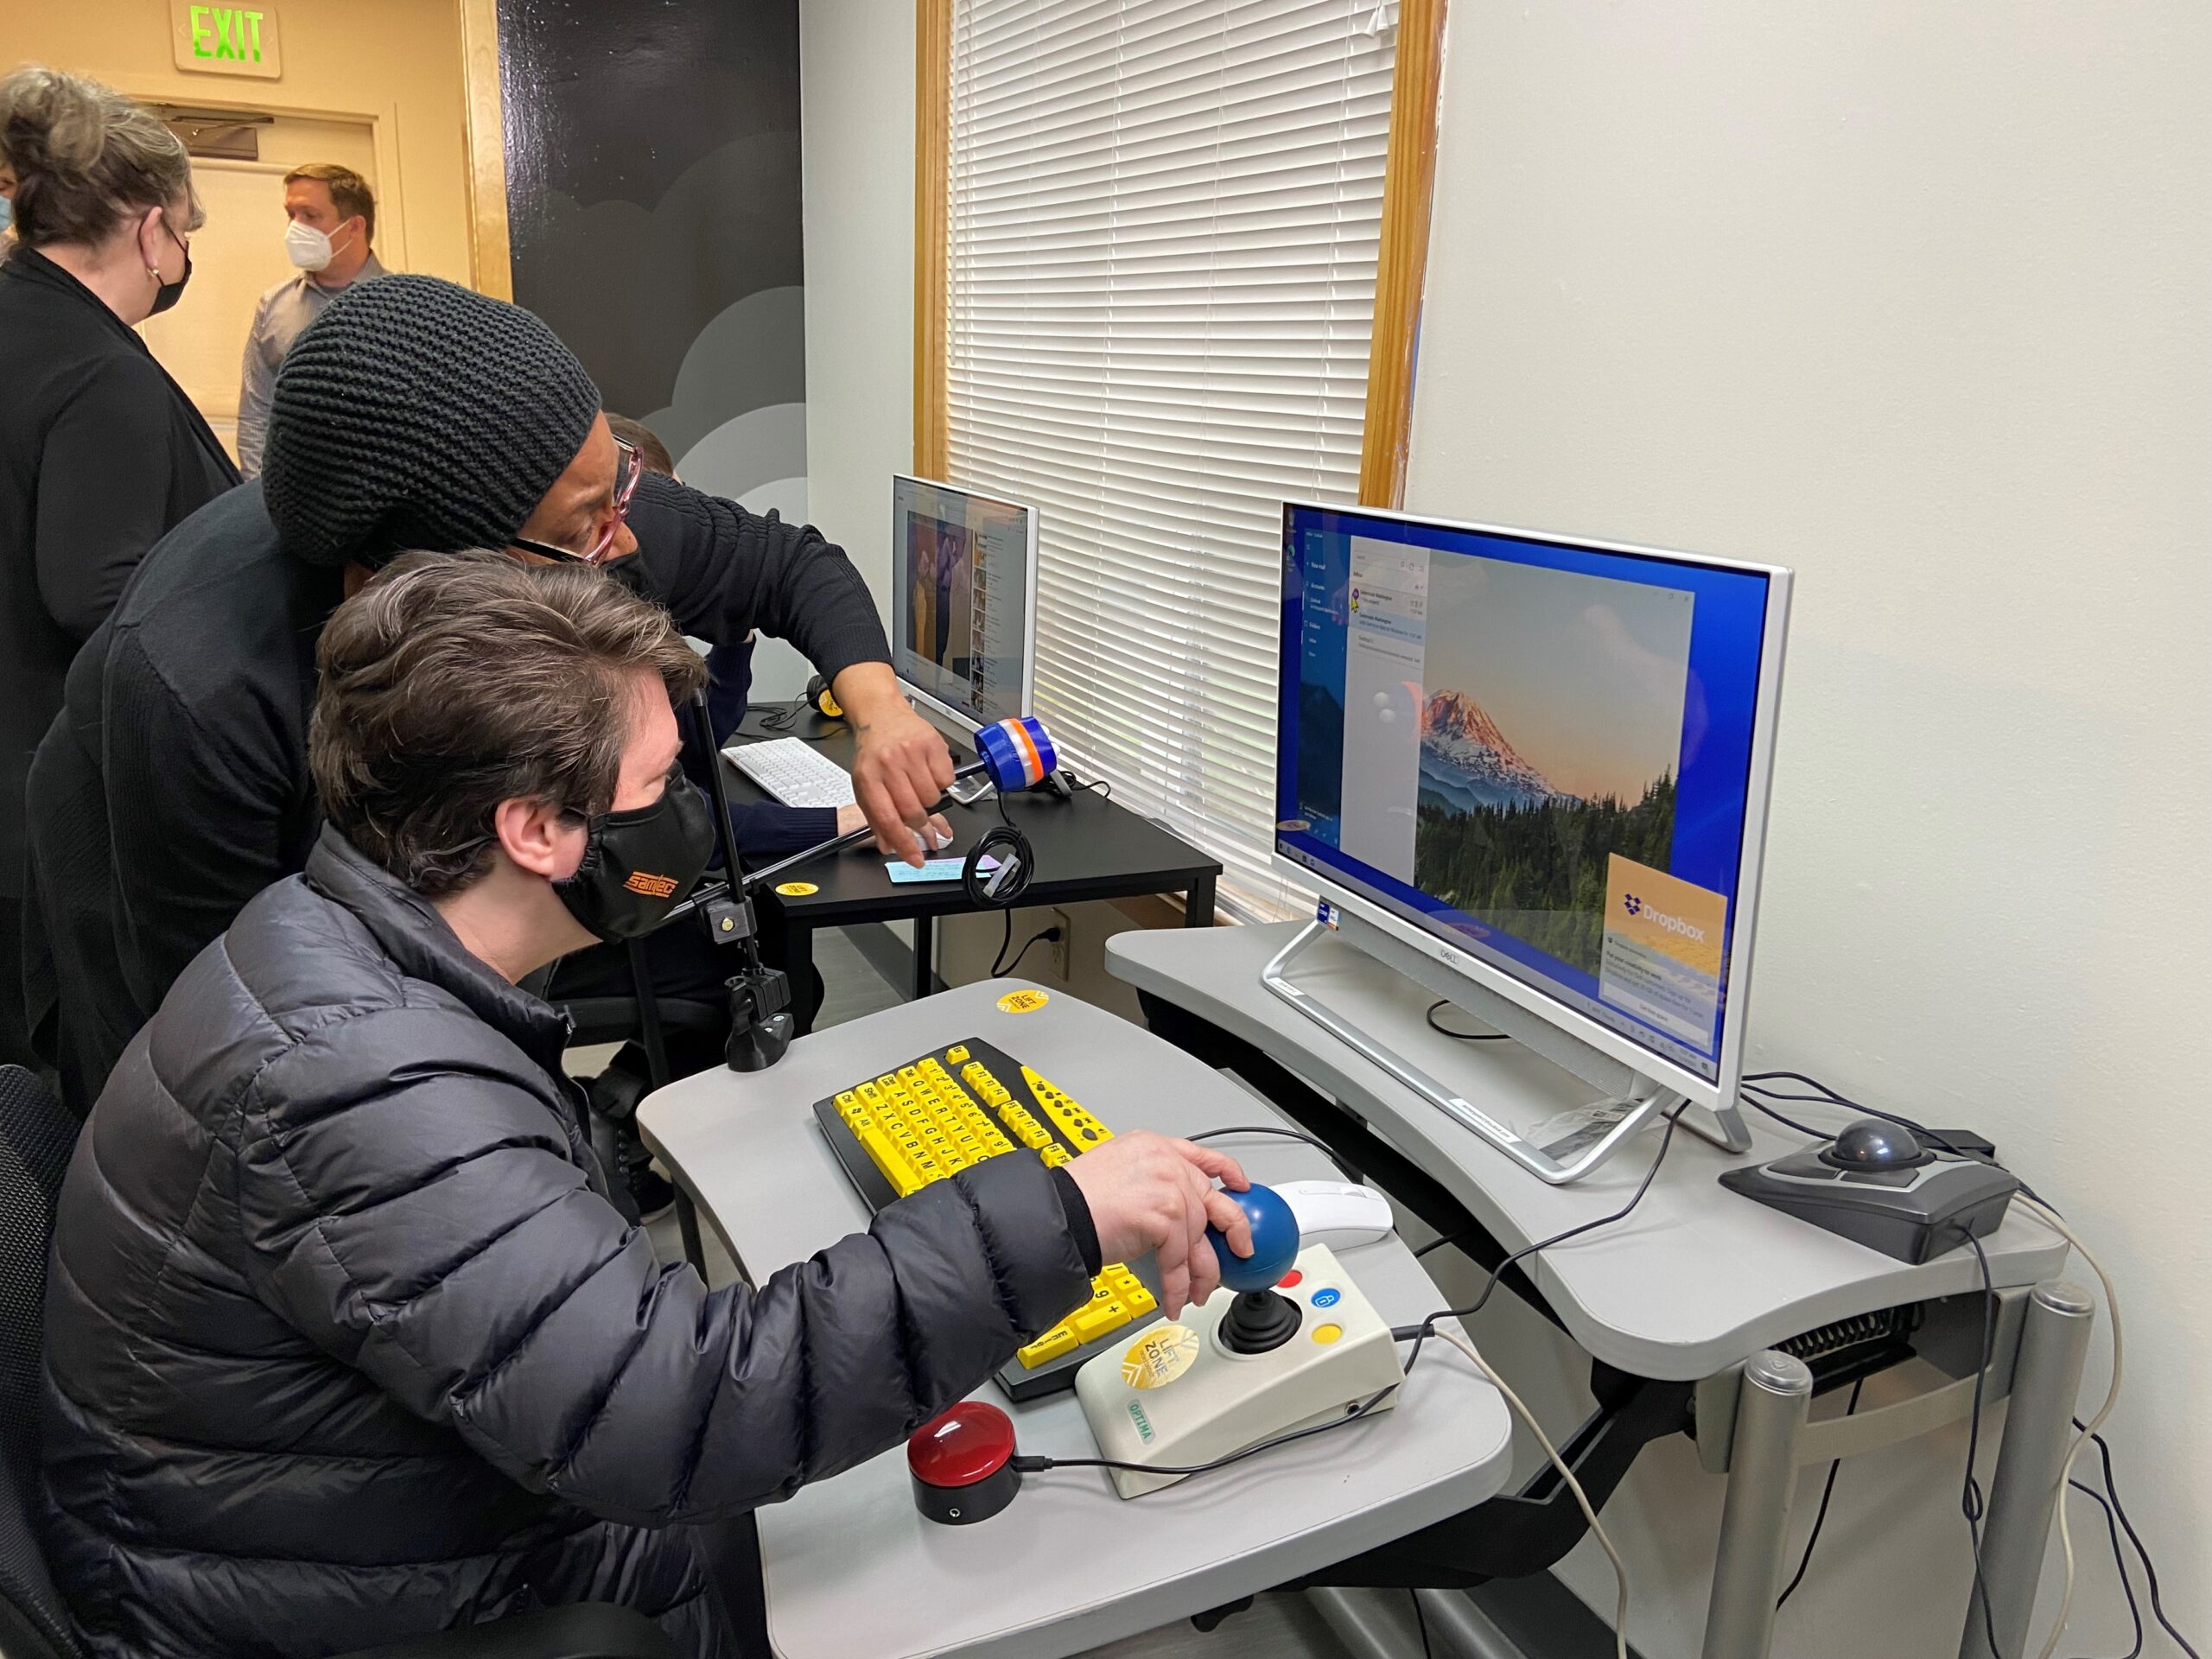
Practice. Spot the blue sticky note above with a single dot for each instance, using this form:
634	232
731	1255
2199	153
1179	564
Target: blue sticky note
936	869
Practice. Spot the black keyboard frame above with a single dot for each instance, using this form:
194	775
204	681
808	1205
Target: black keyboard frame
1017	1380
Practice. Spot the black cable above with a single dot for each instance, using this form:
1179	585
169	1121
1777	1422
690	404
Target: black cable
1464	1036
1103	786
782	720
998	972
1805	1129
1436	1245
1420	1623
1820	1515
2150	1573
2120	1561
1313	1141
1352	1414
1421	1333
1970	1500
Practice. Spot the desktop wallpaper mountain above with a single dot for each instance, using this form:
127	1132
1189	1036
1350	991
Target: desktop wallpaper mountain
1550	740
1493	839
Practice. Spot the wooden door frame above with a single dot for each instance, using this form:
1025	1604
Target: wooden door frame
491	259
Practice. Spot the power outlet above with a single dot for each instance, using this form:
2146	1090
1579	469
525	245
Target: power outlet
1061	954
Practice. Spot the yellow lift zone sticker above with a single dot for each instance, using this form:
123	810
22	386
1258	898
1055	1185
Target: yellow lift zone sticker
1022	1001
1158	1356
796	889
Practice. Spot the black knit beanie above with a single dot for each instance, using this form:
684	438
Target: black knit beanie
414	413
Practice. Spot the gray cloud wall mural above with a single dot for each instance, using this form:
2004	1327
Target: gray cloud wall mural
653	202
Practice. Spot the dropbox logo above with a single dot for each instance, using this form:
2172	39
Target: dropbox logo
1675	924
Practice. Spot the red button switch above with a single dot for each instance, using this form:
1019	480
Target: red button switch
1289	1280
959	1466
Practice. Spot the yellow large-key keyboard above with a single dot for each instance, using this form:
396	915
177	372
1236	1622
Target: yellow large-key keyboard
957	1106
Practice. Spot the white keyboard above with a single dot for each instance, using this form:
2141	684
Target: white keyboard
794	772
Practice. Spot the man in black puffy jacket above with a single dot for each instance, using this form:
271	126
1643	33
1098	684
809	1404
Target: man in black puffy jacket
345	1341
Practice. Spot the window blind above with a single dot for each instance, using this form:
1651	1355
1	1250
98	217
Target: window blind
1163	223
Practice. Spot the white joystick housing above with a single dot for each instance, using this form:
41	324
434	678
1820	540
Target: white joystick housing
1176	1394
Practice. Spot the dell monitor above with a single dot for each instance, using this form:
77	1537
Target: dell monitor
1531	773
963	601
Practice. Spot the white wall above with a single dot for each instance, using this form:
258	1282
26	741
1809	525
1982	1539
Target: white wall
856	122
856	136
1913	296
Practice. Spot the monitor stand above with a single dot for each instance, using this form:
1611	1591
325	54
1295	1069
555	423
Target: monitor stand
1632	1101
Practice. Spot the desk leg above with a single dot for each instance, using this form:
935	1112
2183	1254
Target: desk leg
2038	1424
1761	1479
924	980
1198	903
799	962
687	1223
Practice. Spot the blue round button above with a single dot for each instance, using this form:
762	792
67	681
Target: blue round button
1328	1298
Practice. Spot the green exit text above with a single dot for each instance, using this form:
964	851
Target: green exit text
230	34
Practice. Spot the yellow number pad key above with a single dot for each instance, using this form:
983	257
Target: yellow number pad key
1116	1297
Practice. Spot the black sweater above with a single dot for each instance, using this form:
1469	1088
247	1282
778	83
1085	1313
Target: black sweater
175	785
101	455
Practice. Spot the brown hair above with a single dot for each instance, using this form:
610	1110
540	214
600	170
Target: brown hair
349	192
85	158
643	438
456	680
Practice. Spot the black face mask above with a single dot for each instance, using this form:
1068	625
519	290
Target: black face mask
169	293
639	865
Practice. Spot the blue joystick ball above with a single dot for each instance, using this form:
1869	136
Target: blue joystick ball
1275	1241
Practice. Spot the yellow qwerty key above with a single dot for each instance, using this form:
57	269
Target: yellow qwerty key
947	1110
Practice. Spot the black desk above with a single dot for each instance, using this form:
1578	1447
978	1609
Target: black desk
1088	847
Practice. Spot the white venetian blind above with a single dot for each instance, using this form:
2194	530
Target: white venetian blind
1164	223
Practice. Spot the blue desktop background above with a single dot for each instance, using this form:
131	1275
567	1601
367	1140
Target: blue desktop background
1712	773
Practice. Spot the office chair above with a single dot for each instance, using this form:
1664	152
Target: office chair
36	1134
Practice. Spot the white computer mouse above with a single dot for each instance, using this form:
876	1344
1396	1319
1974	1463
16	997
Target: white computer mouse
1338	1213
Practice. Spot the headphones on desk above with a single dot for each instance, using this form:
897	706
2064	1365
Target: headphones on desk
822	700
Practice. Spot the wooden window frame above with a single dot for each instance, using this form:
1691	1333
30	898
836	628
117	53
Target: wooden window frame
1402	267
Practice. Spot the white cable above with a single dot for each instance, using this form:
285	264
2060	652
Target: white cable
2050	1218
1451	1332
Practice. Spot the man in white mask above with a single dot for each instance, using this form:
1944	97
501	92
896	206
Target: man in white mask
331	217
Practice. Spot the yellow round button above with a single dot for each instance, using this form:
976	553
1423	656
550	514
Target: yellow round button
797	889
1326	1334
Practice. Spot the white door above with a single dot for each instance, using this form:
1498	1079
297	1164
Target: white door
239	254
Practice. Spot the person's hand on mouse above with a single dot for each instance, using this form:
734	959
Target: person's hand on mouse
1155	1192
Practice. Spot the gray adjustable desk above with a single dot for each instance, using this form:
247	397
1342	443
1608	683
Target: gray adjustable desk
1694	1285
852	1568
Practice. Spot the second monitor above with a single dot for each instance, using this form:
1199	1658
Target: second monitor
964	599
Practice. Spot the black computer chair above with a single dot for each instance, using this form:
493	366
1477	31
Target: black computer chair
36	1137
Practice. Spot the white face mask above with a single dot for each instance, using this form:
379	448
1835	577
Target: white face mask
308	247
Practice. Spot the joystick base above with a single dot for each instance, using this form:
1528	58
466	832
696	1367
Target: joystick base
1178	1393
1259	1321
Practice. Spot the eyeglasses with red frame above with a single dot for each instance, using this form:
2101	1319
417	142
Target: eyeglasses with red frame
628	469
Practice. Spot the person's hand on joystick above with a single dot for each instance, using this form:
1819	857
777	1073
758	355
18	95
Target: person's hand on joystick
1155	1193
1259	1318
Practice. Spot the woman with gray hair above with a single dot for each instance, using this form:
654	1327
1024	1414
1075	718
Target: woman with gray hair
101	454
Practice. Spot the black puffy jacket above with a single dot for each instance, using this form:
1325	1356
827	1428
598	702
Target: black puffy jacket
345	1343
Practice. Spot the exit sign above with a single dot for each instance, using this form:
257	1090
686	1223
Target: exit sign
225	39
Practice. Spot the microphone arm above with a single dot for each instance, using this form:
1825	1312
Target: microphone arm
1018	754
760	1023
